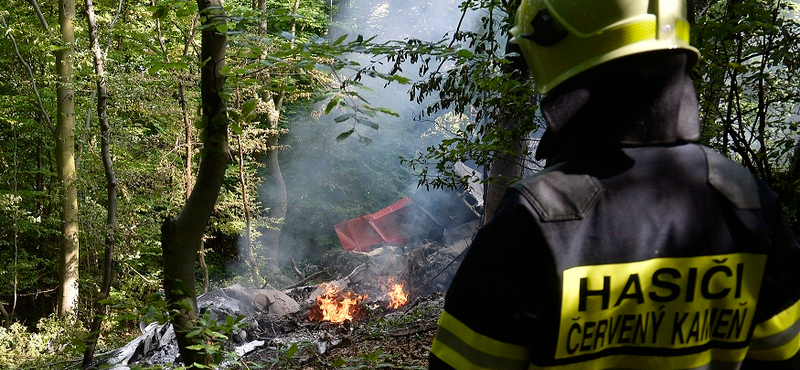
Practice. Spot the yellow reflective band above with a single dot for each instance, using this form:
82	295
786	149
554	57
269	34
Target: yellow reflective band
778	323
617	37
682	31
463	348
777	338
717	359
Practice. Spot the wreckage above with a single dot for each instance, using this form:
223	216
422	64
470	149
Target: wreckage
407	251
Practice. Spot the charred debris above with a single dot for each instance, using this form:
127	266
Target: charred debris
400	261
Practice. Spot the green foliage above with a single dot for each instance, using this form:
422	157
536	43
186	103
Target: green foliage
377	359
749	102
53	338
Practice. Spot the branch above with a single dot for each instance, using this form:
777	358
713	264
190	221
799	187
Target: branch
39	13
33	80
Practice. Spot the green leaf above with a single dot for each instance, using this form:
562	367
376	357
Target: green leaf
344	135
336	99
249	105
155	68
236	128
340	39
344	117
401	79
176	65
219	120
292	350
368	123
464	53
339	362
387	111
159	13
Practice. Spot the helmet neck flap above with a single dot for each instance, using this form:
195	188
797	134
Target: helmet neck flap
640	99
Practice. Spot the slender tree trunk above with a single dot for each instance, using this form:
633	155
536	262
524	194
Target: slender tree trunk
111	185
250	255
65	157
279	205
181	236
509	167
187	135
796	162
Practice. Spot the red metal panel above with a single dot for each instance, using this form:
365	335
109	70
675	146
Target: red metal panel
384	226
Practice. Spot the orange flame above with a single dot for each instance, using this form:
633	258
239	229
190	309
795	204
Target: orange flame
337	306
397	297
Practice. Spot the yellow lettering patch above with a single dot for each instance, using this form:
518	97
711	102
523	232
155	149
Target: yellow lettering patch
666	303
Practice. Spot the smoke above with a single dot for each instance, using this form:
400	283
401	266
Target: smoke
331	181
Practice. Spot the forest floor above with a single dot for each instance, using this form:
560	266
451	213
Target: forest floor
395	340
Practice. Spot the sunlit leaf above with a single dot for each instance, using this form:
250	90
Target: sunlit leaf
332	103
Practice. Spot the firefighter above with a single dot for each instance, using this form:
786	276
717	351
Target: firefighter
635	248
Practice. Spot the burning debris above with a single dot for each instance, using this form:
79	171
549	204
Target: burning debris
397	297
335	305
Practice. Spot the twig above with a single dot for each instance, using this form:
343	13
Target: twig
142	276
356	270
296	270
305	280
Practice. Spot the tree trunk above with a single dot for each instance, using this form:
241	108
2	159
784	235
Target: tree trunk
279	205
507	167
249	253
111	186
181	236
796	162
65	157
504	170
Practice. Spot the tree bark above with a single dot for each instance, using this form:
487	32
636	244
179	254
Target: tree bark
111	185
65	157
280	201
181	236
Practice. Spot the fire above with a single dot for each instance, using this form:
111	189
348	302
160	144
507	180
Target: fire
397	297
337	306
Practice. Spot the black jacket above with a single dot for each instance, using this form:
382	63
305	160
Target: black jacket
634	249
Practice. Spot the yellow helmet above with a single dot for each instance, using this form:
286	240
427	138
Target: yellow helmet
562	38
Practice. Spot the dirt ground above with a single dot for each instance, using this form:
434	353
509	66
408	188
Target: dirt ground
399	339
